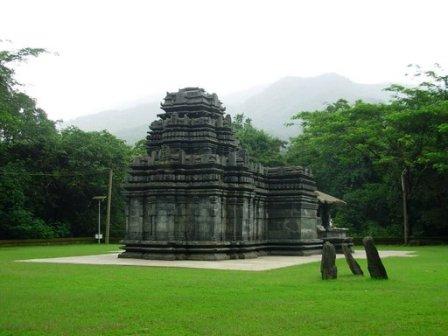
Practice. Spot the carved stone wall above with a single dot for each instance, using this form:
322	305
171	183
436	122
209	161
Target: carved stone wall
197	194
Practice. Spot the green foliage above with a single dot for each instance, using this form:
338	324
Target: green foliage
139	148
48	178
358	152
90	155
6	57
261	146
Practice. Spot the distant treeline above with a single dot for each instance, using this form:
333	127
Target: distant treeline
361	153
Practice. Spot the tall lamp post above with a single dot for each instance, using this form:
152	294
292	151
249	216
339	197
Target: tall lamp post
100	199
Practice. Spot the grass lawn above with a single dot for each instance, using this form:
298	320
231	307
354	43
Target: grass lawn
56	299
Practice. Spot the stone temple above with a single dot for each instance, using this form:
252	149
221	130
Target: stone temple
198	195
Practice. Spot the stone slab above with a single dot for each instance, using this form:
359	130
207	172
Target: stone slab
262	263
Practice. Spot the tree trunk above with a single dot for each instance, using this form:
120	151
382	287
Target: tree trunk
404	189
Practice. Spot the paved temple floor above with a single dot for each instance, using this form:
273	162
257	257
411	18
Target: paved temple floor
258	264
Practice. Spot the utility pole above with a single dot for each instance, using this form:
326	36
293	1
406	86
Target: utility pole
109	200
99	199
99	221
404	189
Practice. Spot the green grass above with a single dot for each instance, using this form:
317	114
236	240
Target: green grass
56	299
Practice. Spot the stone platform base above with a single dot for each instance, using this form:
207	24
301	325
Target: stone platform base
262	263
223	251
336	236
187	256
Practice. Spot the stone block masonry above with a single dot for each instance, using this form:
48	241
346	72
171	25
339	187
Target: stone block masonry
197	194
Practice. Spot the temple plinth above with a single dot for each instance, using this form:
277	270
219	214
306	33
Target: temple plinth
198	195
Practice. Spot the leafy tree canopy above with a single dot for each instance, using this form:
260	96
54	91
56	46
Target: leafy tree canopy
48	178
359	152
261	146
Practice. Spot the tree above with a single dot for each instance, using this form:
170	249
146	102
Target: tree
139	148
90	155
261	146
363	153
47	177
419	127
23	128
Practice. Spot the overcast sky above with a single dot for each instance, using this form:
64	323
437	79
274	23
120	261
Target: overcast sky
113	52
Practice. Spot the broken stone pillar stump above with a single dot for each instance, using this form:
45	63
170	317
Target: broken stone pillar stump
374	263
328	264
352	263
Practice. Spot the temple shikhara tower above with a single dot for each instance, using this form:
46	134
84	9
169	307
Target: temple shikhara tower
197	194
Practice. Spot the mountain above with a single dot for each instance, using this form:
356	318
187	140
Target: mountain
269	106
130	124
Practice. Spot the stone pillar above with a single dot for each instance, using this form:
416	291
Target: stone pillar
328	267
352	263
374	263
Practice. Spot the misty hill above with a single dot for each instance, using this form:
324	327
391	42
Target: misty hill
130	124
269	106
